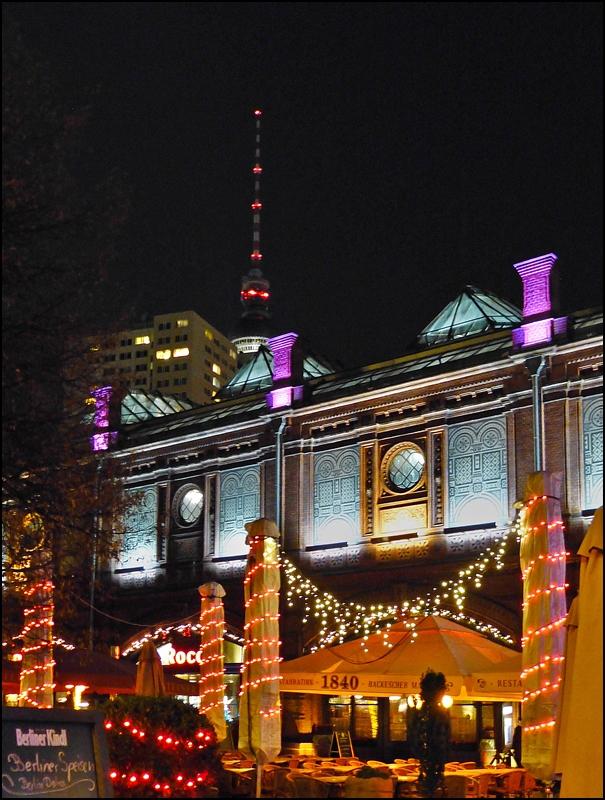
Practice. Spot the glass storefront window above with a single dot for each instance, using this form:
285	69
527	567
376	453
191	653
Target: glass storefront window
340	713
365	718
508	724
231	697
398	719
464	723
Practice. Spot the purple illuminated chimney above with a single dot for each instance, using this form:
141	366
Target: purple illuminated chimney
287	371
105	437
540	302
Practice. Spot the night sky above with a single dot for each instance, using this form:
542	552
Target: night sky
407	149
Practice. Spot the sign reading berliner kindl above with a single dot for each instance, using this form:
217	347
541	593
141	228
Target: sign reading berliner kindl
47	753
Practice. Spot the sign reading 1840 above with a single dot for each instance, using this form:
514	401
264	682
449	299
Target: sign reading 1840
49	753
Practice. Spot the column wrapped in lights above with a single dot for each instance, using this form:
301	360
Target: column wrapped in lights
36	684
260	712
212	628
543	558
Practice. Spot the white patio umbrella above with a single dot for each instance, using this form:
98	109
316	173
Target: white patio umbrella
260	711
579	750
212	688
542	557
392	661
150	673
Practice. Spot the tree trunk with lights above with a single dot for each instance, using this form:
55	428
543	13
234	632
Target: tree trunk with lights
36	687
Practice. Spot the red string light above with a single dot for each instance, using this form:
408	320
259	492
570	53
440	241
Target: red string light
168	742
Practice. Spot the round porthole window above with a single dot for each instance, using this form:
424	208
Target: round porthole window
403	467
188	505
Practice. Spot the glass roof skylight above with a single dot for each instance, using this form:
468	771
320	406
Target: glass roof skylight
472	312
257	374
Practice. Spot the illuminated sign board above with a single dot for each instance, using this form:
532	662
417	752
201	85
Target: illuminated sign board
171	657
54	753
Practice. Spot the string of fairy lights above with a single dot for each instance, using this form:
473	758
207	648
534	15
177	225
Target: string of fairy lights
212	626
36	677
139	779
541	601
261	630
339	620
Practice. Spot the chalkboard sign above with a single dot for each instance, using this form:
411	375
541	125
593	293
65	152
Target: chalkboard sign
341	744
54	753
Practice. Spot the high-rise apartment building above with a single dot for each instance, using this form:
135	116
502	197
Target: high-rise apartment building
180	354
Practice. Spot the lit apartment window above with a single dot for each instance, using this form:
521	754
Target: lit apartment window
216	382
163	355
208	334
181	352
233	354
182	323
142	340
216	369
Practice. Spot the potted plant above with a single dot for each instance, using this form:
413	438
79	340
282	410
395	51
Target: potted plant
430	734
369	782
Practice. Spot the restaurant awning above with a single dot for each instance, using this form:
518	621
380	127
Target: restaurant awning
100	673
391	662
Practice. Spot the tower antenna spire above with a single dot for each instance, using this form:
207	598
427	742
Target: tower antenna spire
256	205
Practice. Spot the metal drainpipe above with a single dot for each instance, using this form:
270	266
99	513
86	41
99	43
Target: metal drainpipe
279	455
536	366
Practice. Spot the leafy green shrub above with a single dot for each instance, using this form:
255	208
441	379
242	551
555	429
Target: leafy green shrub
370	772
159	747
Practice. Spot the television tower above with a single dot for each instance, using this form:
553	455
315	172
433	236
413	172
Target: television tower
253	328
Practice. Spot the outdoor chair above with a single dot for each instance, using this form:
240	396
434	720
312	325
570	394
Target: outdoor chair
281	785
369	787
528	784
508	785
461	786
243	785
267	780
305	786
468	765
484	782
406	789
